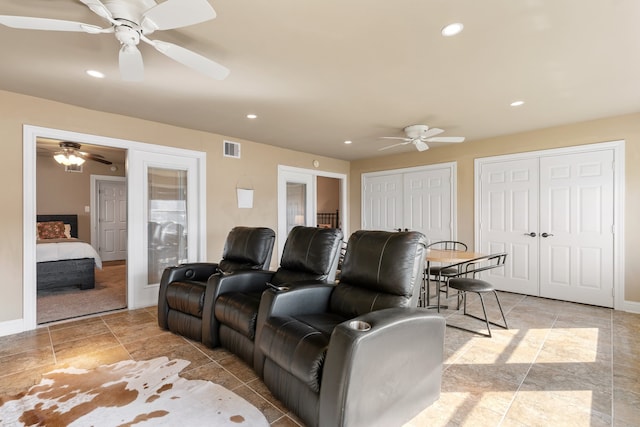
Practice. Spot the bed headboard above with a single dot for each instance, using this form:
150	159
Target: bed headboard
67	219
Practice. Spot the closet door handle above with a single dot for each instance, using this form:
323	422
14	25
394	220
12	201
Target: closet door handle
545	235
532	234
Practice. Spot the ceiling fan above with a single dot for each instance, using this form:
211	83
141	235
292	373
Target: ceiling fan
419	135
132	21
70	154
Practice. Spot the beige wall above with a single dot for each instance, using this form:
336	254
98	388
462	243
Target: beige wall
328	194
259	163
611	129
60	192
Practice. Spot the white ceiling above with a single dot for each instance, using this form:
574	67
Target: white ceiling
318	72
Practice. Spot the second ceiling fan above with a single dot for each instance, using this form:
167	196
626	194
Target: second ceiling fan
133	21
419	135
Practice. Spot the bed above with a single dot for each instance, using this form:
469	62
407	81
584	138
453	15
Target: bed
328	219
62	259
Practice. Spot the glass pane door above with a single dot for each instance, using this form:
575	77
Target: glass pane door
167	220
296	204
166	217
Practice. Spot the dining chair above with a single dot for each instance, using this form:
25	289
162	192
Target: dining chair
466	280
441	273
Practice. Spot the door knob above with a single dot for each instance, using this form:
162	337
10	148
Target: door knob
546	235
532	234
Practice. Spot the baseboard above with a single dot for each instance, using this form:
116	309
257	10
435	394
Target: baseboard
631	306
11	327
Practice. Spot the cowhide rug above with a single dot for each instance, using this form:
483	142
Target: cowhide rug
128	393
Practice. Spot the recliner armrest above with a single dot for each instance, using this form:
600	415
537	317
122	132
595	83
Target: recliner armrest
371	377
300	298
198	272
313	297
249	281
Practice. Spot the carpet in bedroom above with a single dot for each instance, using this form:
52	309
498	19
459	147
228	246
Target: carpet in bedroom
66	303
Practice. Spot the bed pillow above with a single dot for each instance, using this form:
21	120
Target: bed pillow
51	230
67	231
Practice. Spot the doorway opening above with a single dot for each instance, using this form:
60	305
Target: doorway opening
84	272
312	198
141	158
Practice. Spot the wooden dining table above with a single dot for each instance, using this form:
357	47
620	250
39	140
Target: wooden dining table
443	256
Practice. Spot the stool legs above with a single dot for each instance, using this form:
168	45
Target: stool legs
463	295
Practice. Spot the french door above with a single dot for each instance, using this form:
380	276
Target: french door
167	203
554	215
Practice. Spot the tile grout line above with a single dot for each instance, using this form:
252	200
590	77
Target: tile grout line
515	394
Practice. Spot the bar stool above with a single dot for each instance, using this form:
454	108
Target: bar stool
464	284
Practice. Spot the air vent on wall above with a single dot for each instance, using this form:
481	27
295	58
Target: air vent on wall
231	149
73	168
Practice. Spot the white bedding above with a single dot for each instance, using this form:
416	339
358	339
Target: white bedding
59	249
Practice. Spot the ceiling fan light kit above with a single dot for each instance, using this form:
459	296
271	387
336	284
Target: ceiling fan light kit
132	21
419	135
70	155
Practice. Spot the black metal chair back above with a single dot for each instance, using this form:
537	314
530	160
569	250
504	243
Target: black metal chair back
448	245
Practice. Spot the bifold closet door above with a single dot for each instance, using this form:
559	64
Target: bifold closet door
553	215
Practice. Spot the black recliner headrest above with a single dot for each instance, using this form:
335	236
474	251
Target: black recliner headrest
310	253
248	247
382	261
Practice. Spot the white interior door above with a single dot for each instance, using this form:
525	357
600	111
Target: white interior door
576	225
383	202
553	213
112	220
427	203
509	221
169	205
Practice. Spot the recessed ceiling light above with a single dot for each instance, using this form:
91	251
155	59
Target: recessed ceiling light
517	103
251	116
452	29
347	142
96	74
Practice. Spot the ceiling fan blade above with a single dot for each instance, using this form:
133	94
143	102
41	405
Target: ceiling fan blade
97	158
131	65
421	145
176	14
98	8
396	137
29	23
391	146
431	132
190	59
452	139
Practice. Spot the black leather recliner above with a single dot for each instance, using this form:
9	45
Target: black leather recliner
310	255
185	300
358	353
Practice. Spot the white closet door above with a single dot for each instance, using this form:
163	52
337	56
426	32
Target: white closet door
382	202
576	227
427	203
509	221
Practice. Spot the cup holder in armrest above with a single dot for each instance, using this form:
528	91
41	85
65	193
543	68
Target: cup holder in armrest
359	325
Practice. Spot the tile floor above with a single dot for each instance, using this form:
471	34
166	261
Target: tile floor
558	364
